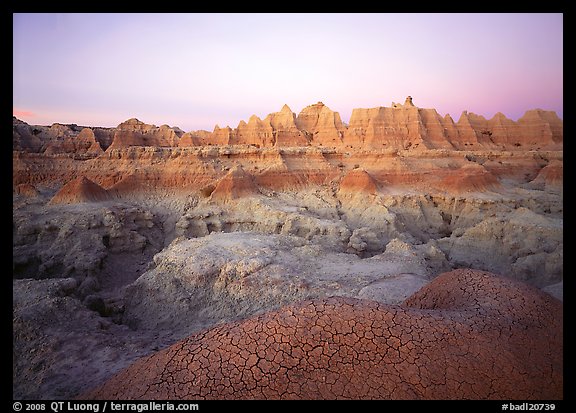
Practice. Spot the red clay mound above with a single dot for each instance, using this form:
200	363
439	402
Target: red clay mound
358	180
469	178
79	190
235	184
466	335
551	176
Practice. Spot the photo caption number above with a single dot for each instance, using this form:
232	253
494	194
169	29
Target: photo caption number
529	406
35	406
541	406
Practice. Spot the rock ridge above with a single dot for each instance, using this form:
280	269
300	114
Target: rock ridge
398	127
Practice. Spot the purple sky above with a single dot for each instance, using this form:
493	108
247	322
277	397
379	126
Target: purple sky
198	70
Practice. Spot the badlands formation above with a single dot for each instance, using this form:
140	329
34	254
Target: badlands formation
402	255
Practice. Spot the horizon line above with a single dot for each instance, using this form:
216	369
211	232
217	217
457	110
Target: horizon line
19	114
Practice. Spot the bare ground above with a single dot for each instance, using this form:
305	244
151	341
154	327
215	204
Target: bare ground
98	285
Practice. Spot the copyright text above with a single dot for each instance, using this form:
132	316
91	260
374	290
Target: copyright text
103	406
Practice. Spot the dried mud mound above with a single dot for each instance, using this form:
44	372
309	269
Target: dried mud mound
235	184
79	190
551	177
467	335
358	180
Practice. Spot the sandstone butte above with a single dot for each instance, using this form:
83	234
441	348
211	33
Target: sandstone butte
397	145
396	127
401	126
467	334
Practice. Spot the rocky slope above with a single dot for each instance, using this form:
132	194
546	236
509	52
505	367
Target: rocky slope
137	236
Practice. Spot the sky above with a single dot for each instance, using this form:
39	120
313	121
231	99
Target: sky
196	71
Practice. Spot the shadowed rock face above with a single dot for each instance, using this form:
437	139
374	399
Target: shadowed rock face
84	143
550	177
136	133
26	190
466	335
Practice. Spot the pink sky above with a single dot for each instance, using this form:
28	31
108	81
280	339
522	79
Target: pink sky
198	70
22	114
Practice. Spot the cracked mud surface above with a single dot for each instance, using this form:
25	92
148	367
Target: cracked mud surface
467	334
